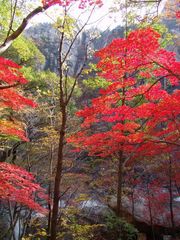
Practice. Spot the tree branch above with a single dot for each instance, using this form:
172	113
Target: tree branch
77	34
13	11
8	86
76	78
9	39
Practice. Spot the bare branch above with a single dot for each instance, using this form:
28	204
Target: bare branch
77	34
76	78
8	86
165	141
13	11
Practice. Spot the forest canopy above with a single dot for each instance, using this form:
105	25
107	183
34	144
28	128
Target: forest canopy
89	120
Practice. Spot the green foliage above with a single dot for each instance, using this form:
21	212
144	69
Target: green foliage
24	52
5	18
77	91
82	197
95	82
120	229
167	37
40	80
4	15
45	84
82	232
40	234
71	225
4	137
66	24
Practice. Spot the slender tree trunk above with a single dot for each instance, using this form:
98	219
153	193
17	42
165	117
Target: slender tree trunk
171	197
133	204
150	213
13	220
120	169
119	190
50	189
58	175
64	99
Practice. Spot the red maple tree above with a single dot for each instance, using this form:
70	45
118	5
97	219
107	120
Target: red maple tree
16	184
125	120
10	98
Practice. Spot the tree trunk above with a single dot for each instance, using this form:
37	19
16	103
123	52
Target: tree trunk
50	188
58	176
119	190
133	204
120	169
171	197
150	213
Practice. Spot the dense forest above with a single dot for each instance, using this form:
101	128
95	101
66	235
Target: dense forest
89	120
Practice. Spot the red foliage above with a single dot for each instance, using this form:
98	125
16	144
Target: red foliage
136	116
10	77
178	14
12	129
134	106
17	185
9	72
82	3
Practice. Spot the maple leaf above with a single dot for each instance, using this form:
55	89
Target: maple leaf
17	185
10	77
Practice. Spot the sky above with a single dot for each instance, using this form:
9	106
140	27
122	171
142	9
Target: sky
101	18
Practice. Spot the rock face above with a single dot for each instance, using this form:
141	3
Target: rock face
47	39
95	210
